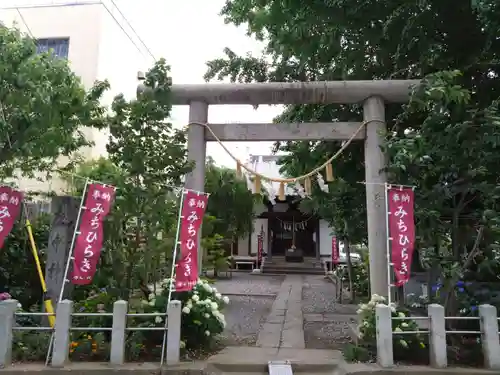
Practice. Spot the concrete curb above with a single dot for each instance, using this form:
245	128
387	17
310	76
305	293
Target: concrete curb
206	368
99	368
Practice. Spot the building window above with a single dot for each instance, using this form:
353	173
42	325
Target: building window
59	46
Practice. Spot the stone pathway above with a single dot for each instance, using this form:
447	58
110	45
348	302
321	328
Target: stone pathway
294	311
283	326
291	329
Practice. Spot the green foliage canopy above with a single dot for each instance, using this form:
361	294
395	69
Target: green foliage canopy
43	107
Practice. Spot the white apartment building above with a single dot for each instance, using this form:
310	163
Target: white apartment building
93	36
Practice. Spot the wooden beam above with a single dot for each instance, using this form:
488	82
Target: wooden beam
310	131
344	92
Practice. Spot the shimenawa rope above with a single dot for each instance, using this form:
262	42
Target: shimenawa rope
326	165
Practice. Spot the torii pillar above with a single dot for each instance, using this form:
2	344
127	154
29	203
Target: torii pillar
375	178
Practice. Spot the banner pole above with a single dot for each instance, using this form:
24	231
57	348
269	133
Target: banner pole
388	244
73	240
172	274
68	262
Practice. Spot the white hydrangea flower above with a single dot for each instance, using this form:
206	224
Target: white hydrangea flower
182	344
207	315
186	310
152	302
402	315
403	343
218	295
207	333
207	287
214	306
377	298
144	302
404	325
158	319
151	296
225	299
214	289
195	298
398	329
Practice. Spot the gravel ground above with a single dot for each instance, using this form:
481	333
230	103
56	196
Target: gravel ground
326	324
246	284
251	298
245	317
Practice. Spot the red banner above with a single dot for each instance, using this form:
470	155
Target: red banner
260	245
335	251
10	206
402	231
193	209
90	237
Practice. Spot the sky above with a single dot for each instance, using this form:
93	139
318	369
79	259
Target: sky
187	34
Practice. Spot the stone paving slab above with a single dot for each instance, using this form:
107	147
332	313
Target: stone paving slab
284	324
250	359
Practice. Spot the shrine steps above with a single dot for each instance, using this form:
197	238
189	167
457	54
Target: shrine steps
280	267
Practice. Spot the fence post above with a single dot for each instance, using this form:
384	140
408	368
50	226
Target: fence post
117	356
60	349
7	320
437	336
174	332
385	355
489	336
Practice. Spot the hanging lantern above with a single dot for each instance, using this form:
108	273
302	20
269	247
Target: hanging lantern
329	172
281	193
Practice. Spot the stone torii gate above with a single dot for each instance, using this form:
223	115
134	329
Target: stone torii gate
373	95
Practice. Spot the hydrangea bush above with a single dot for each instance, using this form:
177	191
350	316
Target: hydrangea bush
202	317
404	344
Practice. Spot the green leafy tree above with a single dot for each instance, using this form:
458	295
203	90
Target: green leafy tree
43	107
230	202
359	40
147	157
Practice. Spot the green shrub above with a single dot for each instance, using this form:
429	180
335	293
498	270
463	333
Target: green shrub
202	317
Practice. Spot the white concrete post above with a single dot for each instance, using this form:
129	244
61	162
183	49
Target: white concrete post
385	355
489	336
174	332
7	321
375	162
437	336
117	355
60	349
198	112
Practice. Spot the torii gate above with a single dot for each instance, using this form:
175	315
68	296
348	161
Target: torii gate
373	95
